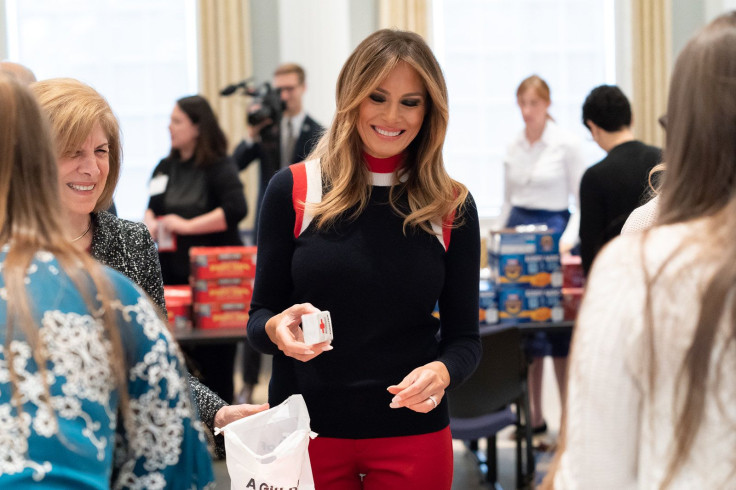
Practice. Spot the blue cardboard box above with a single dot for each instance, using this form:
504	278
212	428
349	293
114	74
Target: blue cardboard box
525	305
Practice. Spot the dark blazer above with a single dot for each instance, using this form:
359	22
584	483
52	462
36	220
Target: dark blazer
244	153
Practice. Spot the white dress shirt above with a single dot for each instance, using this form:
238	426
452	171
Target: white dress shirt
545	175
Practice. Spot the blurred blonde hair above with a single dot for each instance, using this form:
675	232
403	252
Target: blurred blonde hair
73	108
287	68
536	84
432	194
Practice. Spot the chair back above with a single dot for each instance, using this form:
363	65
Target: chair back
499	379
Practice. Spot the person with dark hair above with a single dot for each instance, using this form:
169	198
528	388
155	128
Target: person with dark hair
612	188
196	196
651	401
93	390
376	232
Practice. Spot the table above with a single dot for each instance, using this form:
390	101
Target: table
527	329
211	336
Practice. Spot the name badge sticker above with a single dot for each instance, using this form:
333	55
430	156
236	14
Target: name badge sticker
158	185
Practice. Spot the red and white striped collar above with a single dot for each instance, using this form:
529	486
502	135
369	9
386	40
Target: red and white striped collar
382	169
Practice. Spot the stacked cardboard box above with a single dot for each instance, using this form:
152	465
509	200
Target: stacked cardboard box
488	302
222	285
179	307
527	272
573	281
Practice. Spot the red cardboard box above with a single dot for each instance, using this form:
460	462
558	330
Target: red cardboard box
228	289
221	315
179	307
571	298
222	262
572	272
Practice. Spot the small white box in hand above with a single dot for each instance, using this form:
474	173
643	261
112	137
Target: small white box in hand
317	327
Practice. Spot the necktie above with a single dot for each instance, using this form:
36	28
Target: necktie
288	149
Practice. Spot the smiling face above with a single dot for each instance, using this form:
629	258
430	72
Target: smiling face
391	116
183	132
83	173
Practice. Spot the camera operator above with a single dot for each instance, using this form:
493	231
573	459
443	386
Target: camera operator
278	141
278	144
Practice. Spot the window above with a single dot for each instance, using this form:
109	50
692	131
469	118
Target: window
139	54
486	47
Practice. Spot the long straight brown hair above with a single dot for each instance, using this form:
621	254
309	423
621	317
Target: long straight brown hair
30	221
432	194
700	180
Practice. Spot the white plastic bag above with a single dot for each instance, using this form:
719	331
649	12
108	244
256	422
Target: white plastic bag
269	449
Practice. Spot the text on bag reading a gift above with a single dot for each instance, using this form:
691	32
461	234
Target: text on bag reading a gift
265	486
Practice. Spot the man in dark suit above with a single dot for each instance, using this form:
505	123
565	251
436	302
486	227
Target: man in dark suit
290	140
612	188
276	144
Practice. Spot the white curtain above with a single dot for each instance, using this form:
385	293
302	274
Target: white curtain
408	15
225	57
652	62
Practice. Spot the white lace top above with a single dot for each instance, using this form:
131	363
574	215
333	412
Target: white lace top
619	428
78	438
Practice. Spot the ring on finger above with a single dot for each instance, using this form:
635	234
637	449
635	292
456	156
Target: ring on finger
433	400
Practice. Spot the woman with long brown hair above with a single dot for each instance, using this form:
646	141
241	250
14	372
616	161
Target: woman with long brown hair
196	195
651	400
93	390
374	230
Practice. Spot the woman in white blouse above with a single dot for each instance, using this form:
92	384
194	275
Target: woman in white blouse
542	168
652	399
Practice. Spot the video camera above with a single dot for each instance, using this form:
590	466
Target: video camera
266	104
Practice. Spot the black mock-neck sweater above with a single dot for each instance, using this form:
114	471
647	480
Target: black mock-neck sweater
380	286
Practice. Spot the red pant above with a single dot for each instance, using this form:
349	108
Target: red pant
386	463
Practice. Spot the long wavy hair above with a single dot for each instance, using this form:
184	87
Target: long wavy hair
432	194
30	221
73	108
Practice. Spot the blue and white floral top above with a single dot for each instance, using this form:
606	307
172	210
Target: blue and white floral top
85	443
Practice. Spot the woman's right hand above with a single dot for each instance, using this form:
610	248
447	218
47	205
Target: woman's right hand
283	330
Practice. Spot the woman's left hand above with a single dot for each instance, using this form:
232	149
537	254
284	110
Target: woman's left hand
231	413
175	224
422	389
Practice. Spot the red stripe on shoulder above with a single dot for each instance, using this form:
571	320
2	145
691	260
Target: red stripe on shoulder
447	230
298	194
